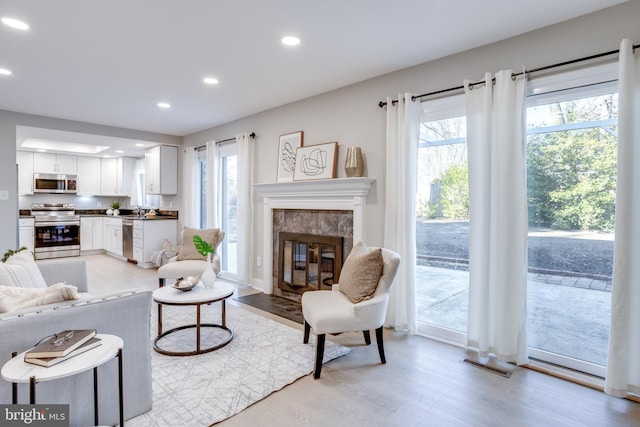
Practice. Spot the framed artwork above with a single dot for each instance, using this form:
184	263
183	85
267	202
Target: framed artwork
316	162
289	143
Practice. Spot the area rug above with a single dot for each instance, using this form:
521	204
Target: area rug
202	390
275	305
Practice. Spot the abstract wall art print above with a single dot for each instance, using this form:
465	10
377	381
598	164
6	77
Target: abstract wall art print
289	143
316	162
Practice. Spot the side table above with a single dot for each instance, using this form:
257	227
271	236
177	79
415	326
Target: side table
17	370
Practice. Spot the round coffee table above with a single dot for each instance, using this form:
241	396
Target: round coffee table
198	296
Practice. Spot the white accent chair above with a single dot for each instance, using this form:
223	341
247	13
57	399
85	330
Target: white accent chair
175	269
331	312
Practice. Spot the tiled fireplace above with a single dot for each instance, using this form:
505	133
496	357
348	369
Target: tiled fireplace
332	207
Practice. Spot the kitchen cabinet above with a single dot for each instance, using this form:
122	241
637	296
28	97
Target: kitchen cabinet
24	159
161	170
88	176
112	240
116	176
54	163
91	233
148	237
27	230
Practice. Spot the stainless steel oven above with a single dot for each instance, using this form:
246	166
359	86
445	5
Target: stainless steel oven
57	230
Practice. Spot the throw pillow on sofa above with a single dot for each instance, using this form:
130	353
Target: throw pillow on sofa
20	270
16	298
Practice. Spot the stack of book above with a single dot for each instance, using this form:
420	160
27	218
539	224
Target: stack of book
62	346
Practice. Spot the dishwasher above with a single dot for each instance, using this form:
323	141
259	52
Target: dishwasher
127	238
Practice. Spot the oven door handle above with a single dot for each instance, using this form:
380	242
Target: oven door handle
54	223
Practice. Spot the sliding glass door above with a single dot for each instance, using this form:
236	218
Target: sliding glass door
571	169
442	227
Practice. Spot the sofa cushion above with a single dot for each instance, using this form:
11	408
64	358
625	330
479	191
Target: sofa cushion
361	272
20	270
14	298
188	249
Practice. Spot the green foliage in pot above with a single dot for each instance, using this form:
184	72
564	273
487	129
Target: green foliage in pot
115	204
202	246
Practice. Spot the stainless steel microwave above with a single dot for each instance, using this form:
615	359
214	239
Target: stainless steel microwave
54	183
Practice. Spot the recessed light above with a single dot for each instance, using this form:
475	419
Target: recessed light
5	72
291	41
210	80
164	105
139	144
14	23
119	151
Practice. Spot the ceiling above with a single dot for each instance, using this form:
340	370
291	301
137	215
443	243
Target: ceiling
111	62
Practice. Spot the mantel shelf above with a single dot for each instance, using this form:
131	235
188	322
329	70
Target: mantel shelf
346	187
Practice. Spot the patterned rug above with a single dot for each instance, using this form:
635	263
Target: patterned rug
201	390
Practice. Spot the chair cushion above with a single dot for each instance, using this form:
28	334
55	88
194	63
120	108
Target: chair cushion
188	249
361	272
186	268
20	270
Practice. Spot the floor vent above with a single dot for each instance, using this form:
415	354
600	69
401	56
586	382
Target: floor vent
496	370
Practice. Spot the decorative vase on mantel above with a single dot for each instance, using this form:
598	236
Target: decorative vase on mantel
354	164
208	276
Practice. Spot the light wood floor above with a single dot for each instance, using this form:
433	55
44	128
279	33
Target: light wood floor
424	383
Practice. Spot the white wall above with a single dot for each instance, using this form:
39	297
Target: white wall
351	116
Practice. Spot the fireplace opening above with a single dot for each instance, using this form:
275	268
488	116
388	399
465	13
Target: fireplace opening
308	262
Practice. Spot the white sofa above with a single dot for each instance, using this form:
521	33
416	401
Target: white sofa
125	314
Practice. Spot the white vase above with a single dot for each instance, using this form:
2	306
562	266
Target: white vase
208	276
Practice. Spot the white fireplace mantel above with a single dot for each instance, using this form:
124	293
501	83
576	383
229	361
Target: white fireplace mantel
348	194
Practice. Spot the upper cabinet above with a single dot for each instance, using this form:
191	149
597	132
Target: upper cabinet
161	170
88	180
54	163
24	159
116	177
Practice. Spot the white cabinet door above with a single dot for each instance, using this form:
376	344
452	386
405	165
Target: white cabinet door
125	169
54	163
88	180
86	233
66	164
24	159
109	177
113	235
161	170
98	233
27	233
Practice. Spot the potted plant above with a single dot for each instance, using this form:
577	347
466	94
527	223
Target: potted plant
115	206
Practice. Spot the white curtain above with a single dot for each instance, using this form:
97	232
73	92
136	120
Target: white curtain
497	217
191	188
403	131
245	181
623	363
213	214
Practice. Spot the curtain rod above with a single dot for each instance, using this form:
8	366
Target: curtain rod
382	104
252	135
